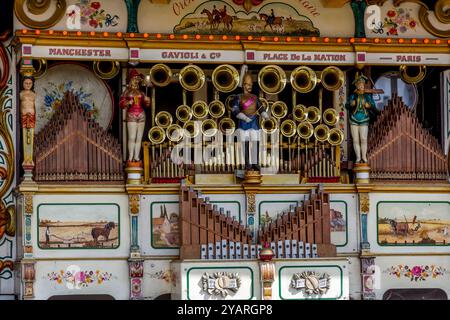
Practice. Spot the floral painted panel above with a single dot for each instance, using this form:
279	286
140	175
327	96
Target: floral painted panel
93	93
416	272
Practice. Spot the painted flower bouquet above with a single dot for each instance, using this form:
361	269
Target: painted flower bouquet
417	272
54	95
398	20
92	14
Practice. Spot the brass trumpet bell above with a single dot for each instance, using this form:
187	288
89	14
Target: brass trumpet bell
332	78
40	68
163	119
183	113
156	135
305	130
304	79
174	133
106	69
288	128
299	113
330	117
413	74
200	109
225	78
272	79
321	133
191	129
313	115
268	125
191	78
160	75
227	126
209	128
229	102
216	109
335	137
279	110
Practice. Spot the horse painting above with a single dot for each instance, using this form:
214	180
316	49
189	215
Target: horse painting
271	21
97	232
213	20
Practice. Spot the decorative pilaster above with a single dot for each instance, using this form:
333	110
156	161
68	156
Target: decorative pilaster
359	8
136	278
132	8
134	204
364	211
267	271
28	277
251	211
368	277
28	212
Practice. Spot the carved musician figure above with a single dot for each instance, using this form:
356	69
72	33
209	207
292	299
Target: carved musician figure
134	101
361	108
28	119
246	107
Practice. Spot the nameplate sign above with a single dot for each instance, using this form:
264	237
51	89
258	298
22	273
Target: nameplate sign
79	53
177	55
407	59
297	57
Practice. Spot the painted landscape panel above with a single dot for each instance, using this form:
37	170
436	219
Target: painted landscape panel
78	226
268	210
165	226
413	223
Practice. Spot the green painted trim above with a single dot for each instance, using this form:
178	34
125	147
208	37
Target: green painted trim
212	268
79	204
10	248
346	222
408	244
309	267
151	225
6	272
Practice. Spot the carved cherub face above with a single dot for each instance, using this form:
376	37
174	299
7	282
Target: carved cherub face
248	83
27	84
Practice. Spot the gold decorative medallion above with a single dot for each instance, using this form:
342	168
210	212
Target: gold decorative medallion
220	283
312	283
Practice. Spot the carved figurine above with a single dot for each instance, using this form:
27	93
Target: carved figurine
361	108
134	100
28	119
246	107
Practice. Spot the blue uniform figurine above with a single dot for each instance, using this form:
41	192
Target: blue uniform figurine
360	106
245	107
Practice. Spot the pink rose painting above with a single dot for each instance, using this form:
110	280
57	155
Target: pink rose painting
417	272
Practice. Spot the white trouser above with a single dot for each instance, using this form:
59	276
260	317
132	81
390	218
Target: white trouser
359	136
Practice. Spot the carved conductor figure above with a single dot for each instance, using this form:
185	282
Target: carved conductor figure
361	107
134	100
245	107
27	120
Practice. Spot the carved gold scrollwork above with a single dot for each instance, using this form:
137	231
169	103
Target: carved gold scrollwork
251	202
364	203
134	203
442	15
39	7
28	199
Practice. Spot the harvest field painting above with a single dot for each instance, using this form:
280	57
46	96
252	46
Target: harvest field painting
413	223
89	226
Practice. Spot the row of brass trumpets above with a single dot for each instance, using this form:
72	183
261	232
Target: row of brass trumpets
272	79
